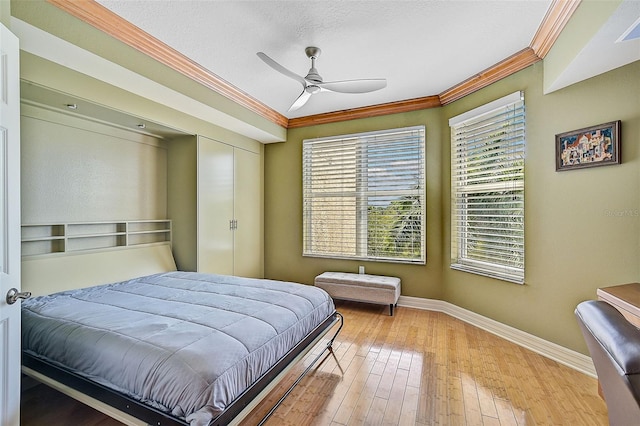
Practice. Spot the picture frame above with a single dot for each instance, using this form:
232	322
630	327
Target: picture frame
589	147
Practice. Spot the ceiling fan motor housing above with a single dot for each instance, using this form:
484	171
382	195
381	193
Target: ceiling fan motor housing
313	53
313	75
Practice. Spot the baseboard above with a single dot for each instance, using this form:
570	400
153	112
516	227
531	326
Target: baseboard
568	357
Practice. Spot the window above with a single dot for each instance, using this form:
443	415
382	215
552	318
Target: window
487	189
364	196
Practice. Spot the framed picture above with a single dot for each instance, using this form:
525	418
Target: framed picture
589	147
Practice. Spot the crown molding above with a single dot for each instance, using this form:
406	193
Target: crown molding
557	16
552	25
365	112
502	69
98	16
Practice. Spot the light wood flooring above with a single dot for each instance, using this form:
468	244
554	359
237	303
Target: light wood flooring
415	368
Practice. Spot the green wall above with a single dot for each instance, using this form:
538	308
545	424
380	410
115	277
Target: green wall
283	207
582	226
49	18
40	72
5	13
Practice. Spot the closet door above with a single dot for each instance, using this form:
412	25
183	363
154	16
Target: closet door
215	206
248	235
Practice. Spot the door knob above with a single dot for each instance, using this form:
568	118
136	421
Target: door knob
13	295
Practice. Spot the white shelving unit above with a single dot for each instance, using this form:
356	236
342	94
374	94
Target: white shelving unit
50	238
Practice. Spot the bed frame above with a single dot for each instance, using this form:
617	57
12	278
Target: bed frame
49	274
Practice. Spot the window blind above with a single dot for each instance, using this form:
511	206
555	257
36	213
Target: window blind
363	196
487	178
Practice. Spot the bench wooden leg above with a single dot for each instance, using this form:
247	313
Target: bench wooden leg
391	309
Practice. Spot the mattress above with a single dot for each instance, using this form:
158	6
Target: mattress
183	342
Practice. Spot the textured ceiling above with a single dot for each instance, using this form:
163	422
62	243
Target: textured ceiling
422	47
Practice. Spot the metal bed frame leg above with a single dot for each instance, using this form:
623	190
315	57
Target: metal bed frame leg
328	347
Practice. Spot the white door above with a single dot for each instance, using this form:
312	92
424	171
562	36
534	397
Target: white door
9	228
215	207
247	258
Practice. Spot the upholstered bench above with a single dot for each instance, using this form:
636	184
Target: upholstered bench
361	287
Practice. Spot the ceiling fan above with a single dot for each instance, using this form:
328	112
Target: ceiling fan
312	83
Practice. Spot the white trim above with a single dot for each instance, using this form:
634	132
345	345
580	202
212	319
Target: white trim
568	357
487	108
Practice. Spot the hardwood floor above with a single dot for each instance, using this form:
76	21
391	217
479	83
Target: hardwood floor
415	368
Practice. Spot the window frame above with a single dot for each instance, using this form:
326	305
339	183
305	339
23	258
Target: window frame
498	187
362	196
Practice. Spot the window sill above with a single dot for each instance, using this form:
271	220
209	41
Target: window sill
367	259
486	273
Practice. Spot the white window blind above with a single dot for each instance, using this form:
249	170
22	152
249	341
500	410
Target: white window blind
364	196
487	178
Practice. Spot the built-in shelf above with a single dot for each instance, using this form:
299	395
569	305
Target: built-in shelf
41	239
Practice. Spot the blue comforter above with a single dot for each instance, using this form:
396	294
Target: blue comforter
184	342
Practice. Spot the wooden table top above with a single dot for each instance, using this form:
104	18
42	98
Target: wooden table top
626	298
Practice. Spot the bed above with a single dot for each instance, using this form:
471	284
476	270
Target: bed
173	347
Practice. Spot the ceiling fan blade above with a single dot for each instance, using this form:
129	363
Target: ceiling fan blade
302	99
354	86
276	66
